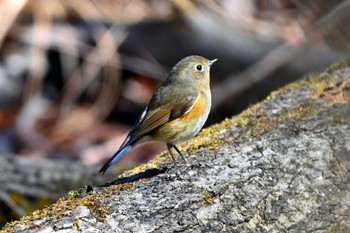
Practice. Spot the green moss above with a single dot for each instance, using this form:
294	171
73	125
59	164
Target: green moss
339	65
339	119
318	85
29	204
72	194
285	89
64	206
335	227
208	198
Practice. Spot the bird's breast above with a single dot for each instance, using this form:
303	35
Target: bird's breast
187	126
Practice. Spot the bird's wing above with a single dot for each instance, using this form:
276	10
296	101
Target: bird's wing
154	118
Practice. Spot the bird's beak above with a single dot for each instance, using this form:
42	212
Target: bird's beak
211	62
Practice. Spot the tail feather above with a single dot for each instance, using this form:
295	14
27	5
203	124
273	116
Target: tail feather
115	158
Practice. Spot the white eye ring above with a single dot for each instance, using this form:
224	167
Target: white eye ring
199	67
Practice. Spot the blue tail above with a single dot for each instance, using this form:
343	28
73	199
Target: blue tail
115	158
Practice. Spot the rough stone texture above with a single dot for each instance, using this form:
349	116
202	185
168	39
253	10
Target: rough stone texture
281	166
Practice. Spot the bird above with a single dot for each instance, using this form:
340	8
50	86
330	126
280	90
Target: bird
177	110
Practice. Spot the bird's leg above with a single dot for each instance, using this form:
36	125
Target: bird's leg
178	151
172	155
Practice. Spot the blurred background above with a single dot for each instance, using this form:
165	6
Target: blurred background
75	75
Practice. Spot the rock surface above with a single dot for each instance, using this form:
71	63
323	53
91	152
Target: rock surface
281	166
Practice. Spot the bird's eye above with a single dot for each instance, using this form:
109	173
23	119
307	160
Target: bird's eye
199	67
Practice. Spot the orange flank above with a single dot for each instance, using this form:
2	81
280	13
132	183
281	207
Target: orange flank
175	128
197	109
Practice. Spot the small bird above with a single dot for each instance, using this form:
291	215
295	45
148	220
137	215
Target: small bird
176	112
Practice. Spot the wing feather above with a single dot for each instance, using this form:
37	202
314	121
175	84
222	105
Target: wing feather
159	116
